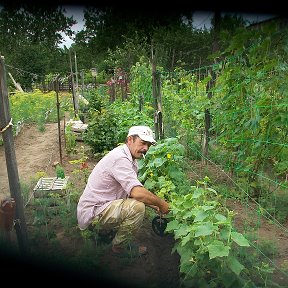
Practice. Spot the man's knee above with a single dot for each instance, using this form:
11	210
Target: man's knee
139	207
134	205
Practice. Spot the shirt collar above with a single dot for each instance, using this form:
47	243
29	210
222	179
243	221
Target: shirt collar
128	153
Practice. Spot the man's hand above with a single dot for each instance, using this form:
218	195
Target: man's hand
164	207
155	208
162	211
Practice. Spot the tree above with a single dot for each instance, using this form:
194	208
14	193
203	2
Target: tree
110	32
29	24
30	36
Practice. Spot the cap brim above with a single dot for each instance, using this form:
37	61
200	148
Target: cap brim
148	139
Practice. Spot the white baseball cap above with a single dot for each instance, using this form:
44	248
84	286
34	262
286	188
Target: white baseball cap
144	132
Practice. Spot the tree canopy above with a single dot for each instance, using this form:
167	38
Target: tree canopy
114	36
30	36
29	24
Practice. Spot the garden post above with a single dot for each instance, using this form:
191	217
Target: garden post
156	87
12	170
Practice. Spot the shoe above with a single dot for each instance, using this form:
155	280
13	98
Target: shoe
130	250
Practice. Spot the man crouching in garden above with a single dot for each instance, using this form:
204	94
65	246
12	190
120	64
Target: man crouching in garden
114	197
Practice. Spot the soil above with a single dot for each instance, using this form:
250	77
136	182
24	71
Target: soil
37	151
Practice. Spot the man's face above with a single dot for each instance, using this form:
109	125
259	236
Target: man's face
137	147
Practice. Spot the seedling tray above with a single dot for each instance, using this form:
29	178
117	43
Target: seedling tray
45	186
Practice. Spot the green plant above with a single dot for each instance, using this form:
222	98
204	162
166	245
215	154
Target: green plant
108	127
206	238
60	173
83	168
70	139
281	168
141	82
101	131
37	107
264	269
161	170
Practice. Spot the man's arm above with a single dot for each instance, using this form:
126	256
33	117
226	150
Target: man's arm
142	194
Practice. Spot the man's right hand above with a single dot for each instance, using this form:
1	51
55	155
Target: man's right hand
164	209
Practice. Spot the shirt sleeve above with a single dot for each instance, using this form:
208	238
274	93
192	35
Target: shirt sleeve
124	173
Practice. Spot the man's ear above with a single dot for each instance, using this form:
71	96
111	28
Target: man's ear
129	139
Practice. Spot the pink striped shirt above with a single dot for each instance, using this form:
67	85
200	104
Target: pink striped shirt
112	178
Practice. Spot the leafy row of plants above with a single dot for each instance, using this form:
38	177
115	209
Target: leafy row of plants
207	240
248	109
249	102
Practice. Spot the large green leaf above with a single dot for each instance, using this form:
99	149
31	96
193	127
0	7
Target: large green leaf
188	269
188	213
220	217
187	238
235	265
218	249
149	184
181	231
200	216
204	229
172	225
158	162
239	239
224	234
206	207
188	204
198	192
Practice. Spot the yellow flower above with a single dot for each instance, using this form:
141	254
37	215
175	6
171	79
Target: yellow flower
169	156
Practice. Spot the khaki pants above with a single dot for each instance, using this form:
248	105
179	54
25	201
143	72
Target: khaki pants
125	216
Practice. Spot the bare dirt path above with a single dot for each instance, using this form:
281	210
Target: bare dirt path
34	152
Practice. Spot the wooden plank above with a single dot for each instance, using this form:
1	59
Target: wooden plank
17	85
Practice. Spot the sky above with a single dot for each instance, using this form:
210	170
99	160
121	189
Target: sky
77	13
201	19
